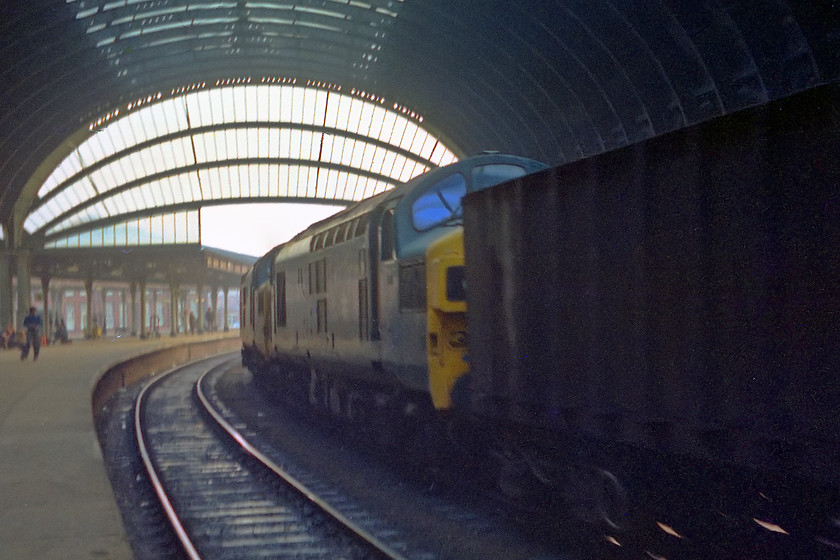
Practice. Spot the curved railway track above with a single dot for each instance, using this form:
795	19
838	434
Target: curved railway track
216	445
233	503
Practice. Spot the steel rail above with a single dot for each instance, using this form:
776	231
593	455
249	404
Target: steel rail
174	520
291	480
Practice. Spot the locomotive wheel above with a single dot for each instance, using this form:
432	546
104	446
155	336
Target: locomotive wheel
514	480
595	495
338	401
517	479
611	499
318	391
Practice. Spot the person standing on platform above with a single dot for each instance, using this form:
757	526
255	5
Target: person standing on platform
7	338
61	333
32	325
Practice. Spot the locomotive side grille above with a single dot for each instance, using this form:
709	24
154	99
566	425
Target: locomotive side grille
318	276
413	286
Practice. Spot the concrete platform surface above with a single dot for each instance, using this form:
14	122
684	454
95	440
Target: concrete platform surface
56	500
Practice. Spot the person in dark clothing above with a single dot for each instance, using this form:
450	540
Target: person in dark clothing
61	333
32	325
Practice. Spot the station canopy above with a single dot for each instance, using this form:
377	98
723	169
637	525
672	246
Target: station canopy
120	119
269	141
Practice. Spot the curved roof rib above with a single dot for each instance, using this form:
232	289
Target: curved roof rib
235	142
554	81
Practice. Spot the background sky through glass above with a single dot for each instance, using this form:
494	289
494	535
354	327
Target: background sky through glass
253	229
146	168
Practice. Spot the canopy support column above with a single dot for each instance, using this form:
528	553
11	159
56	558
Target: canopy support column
89	333
227	326
6	297
199	309
132	287
173	304
24	286
47	323
143	334
214	306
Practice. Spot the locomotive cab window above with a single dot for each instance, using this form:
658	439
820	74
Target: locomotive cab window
361	225
387	231
484	176
332	237
341	235
440	203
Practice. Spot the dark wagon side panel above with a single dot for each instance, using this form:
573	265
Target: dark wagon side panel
681	294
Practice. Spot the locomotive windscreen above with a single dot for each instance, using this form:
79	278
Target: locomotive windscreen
441	203
484	176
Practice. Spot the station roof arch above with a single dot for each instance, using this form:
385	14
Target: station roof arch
148	168
555	81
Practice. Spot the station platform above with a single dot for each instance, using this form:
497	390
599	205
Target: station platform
57	501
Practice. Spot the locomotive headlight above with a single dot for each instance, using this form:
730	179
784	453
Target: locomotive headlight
456	284
446	283
458	339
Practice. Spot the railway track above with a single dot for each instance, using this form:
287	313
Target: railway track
210	468
233	502
229	504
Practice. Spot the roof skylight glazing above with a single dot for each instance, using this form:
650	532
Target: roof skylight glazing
272	141
347	30
165	228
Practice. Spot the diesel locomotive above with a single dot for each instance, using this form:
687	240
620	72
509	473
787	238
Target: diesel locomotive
341	314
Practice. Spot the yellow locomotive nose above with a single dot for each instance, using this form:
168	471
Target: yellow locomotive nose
446	328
